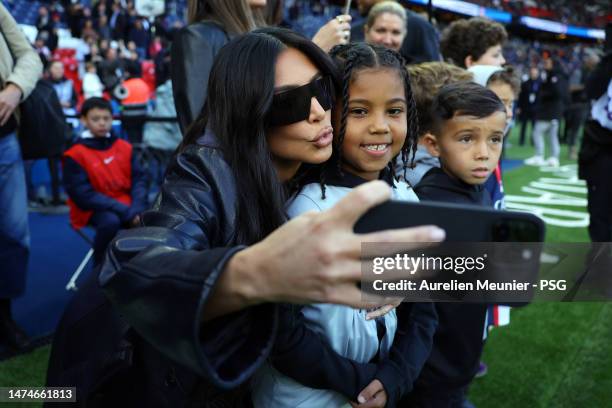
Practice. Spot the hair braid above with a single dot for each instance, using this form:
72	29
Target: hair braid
346	80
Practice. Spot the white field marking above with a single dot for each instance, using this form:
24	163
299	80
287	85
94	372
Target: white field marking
557	187
575	181
548	191
553	216
547	199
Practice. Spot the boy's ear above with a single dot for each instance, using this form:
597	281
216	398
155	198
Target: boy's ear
431	143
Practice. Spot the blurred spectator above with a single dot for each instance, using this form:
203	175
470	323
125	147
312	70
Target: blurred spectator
76	13
155	47
111	70
386	25
140	36
548	113
64	88
421	39
94	55
578	111
103	29
211	22
118	22
92	86
42	50
44	23
162	138
528	99
20	68
89	31
134	105
474	41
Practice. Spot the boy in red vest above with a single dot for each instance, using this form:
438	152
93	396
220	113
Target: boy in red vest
107	188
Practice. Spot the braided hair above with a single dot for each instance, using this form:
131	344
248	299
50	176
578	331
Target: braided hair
349	59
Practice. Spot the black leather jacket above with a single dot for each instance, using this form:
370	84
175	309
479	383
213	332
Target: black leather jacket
193	52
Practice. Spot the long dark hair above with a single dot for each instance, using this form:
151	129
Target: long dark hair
240	92
349	59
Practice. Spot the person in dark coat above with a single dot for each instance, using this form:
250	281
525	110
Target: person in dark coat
188	312
595	157
211	25
528	98
553	93
469	123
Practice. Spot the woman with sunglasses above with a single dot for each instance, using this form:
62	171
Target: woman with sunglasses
197	285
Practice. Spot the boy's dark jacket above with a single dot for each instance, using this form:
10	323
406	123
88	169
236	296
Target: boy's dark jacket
458	342
82	193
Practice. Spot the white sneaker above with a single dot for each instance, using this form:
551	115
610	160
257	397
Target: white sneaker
553	162
535	161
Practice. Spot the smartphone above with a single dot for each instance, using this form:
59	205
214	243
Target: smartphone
462	223
471	231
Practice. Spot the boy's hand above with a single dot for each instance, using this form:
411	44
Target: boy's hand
372	396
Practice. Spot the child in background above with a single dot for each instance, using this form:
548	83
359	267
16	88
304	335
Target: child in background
102	177
426	79
374	124
467	134
92	86
506	85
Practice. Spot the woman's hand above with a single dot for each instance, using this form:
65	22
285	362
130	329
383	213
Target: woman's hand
313	258
372	396
336	31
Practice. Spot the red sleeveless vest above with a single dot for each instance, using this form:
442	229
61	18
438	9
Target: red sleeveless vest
109	172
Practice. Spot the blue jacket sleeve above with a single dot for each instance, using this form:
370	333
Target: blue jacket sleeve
417	323
303	355
80	190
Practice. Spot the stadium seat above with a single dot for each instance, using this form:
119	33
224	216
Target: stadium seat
62	53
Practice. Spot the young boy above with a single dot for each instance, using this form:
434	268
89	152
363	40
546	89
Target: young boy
467	135
106	187
426	79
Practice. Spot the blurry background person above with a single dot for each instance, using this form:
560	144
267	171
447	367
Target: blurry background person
211	25
111	69
421	39
92	86
580	104
475	41
527	102
386	25
595	159
548	113
20	68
